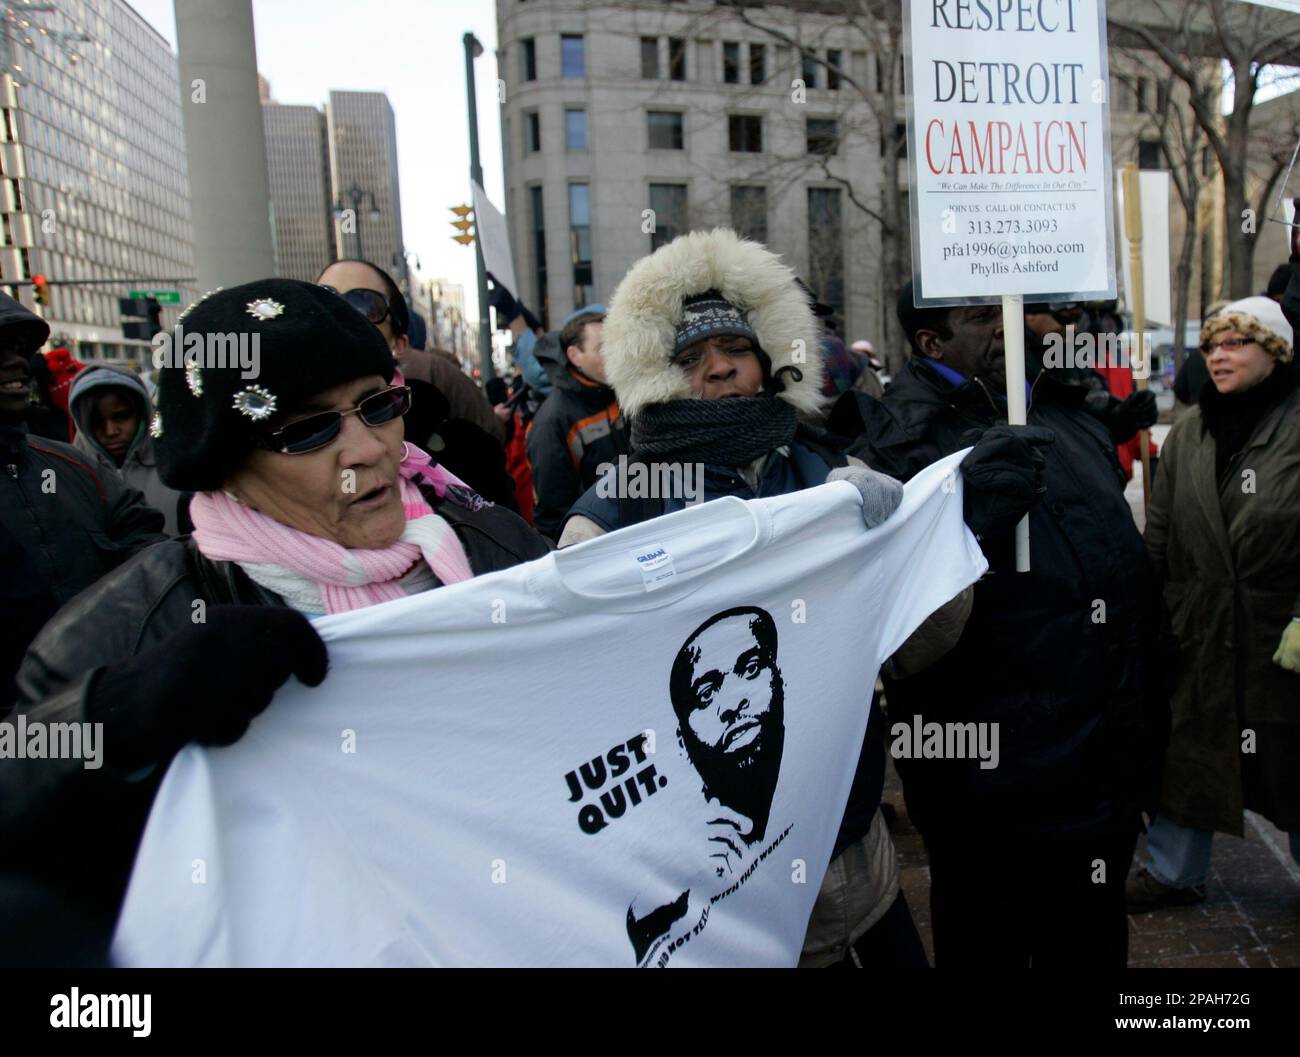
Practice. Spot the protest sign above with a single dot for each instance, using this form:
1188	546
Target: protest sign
1009	141
1008	136
1157	301
494	241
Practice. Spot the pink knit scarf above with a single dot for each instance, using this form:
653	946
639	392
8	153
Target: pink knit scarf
227	530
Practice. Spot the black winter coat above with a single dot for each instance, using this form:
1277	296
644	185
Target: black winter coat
64	523
1069	659
458	445
578	427
78	829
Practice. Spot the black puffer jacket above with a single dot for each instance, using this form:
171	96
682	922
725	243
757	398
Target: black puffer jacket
64	523
1070	659
578	427
78	829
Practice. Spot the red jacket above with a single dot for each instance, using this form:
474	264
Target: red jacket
64	367
1119	380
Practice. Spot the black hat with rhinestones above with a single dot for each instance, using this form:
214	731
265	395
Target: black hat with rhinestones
239	357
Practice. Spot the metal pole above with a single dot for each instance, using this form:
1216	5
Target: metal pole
476	174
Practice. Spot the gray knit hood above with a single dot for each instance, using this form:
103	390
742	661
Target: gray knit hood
90	383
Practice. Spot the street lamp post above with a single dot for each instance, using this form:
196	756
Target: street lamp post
355	195
473	49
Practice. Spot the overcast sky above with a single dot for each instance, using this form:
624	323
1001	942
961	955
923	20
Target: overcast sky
412	50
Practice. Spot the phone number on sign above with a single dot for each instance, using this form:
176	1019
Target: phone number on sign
1010	227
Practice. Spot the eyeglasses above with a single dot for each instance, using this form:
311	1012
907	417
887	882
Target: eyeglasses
1230	344
316	431
370	303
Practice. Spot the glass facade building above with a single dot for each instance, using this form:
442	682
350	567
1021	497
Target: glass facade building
93	182
297	162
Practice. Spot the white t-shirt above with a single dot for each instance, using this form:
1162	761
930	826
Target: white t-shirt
636	751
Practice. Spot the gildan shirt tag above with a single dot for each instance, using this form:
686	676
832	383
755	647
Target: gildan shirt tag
665	558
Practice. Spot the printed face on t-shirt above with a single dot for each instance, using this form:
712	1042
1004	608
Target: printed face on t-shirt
729	697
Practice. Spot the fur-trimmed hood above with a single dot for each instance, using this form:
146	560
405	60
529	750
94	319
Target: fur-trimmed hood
647	307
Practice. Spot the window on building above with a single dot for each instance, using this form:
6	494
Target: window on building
833	59
677	58
745	133
538	226
580	242
730	62
749	212
825	231
650	58
1149	156
573	55
575	130
823	136
757	64
665	130
1140	95
808	70
532	131
1162	96
668	202
528	59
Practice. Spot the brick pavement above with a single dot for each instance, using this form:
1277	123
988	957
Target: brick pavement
1251	916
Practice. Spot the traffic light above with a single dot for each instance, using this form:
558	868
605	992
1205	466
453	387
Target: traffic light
142	317
41	289
463	222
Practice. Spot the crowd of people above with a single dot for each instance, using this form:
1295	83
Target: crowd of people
1139	683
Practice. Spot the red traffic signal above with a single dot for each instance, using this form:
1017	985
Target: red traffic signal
41	289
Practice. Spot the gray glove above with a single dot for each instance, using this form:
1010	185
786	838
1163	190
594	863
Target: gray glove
880	494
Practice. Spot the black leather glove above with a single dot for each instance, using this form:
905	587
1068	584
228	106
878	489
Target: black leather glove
1003	476
504	302
1137	411
204	683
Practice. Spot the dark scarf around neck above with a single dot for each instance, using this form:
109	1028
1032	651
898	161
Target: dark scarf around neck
1231	418
731	432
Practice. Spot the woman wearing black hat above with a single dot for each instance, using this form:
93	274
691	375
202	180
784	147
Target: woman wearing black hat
276	408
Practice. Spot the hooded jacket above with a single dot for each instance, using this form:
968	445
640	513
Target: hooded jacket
640	332
64	523
647	306
139	466
578	428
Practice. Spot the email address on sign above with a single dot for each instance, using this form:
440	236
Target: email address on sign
1006	250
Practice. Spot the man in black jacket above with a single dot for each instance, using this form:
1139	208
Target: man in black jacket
1066	662
579	427
63	522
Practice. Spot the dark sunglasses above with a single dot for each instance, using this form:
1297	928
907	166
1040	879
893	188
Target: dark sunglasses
316	431
370	303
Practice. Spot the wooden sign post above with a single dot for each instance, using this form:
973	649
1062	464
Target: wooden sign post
1133	231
